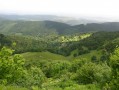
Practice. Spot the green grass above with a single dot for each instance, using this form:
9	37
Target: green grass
52	84
73	87
6	28
2	87
89	55
42	56
51	56
82	87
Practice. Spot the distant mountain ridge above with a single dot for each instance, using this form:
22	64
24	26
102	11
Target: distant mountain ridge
35	28
62	19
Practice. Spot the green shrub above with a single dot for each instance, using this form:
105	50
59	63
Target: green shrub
93	73
34	78
76	64
114	62
56	69
11	66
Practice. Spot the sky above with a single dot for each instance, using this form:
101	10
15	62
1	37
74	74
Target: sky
75	8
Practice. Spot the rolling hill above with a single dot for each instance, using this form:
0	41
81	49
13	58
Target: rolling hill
32	27
36	28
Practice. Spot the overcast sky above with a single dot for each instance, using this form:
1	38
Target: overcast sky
78	8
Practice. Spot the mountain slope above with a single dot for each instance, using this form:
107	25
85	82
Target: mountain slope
32	27
38	28
107	26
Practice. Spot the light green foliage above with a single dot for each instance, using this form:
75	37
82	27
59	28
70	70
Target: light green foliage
93	73
85	35
59	84
89	55
12	70
114	59
34	78
11	66
42	56
114	62
82	87
77	64
2	87
70	38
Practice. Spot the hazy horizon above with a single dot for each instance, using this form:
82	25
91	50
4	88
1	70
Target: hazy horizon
92	9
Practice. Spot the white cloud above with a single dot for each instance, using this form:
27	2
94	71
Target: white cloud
100	8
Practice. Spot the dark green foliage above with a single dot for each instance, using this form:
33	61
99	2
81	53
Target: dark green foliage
27	44
103	58
109	26
4	41
94	59
98	40
110	46
75	55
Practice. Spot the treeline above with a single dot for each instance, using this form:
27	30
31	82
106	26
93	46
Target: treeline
4	41
22	44
106	41
99	40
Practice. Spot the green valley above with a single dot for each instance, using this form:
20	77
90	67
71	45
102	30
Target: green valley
48	55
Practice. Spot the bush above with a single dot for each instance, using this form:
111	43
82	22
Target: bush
114	62
33	78
13	72
57	68
76	64
93	73
11	66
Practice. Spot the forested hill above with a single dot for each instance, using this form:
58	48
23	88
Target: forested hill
32	27
107	26
36	28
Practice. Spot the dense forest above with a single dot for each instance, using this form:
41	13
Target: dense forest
47	55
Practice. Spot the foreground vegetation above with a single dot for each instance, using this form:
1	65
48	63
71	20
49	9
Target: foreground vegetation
88	61
79	74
